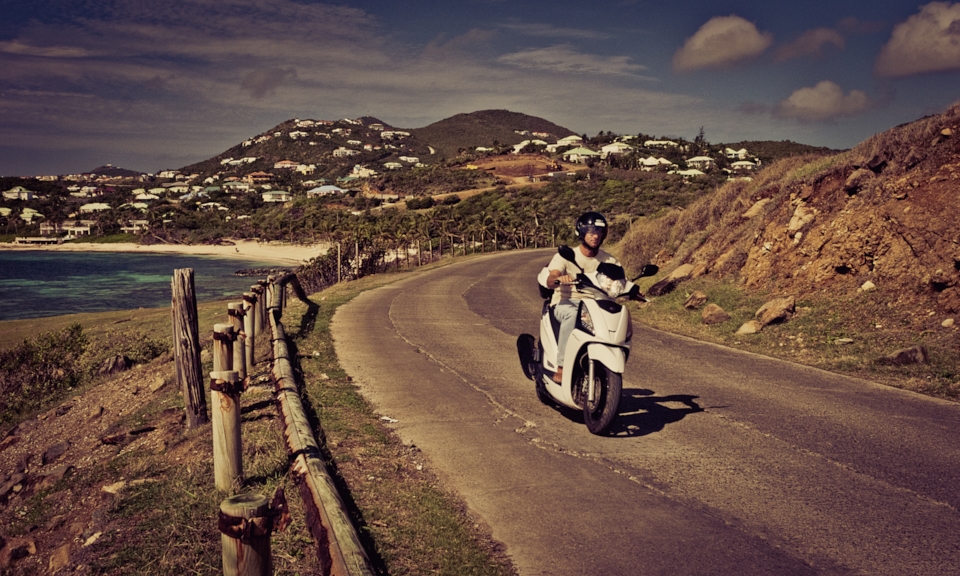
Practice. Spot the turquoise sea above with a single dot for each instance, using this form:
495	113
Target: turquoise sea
35	284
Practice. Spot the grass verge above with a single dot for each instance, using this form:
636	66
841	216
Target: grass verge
843	334
409	522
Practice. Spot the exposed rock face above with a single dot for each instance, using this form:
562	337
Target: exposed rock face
886	211
713	314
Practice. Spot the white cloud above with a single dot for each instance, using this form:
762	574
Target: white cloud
722	41
823	102
564	59
810	43
21	49
550	31
926	42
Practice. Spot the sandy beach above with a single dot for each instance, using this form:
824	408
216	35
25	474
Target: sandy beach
276	252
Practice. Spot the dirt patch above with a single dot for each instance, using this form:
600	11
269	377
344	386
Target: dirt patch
524	165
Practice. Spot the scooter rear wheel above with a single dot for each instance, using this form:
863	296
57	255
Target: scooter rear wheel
600	414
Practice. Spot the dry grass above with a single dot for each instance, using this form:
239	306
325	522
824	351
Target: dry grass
817	335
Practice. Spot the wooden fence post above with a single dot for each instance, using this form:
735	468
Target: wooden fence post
245	528
223	339
250	328
236	313
186	347
225	388
258	305
265	323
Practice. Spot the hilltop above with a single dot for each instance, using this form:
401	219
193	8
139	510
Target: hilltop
487	128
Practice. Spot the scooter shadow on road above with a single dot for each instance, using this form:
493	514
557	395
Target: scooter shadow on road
643	413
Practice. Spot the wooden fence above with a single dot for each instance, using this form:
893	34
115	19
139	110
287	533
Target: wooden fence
246	520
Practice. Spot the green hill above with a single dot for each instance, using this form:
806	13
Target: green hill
484	128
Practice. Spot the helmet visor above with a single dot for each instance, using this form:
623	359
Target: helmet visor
594	228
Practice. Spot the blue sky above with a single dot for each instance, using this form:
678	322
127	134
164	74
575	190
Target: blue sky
151	84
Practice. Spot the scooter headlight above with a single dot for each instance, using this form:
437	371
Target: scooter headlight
585	321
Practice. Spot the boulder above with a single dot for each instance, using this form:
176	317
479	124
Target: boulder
662	287
776	311
948	323
750	327
15	550
867	286
158	384
54	452
695	300
60	559
906	356
713	314
683	272
7	487
115	364
858	180
55	475
8	442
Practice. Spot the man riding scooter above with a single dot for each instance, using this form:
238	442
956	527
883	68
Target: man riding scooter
592	231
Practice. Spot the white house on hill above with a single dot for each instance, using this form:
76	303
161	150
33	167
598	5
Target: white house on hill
580	155
701	162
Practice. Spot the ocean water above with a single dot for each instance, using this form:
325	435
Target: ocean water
35	284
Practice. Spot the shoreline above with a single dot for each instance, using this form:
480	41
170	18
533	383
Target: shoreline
277	252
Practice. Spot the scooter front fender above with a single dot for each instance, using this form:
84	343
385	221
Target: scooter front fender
612	357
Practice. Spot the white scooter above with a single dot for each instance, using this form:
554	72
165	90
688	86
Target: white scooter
597	350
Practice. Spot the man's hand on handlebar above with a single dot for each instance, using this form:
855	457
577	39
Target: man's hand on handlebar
565	279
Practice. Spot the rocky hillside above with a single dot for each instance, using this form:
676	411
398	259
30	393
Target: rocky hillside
885	212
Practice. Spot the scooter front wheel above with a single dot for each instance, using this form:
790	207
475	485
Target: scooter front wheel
600	414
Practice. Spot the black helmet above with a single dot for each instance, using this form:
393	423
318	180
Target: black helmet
591	221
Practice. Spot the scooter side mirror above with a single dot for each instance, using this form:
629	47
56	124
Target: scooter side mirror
647	270
567	253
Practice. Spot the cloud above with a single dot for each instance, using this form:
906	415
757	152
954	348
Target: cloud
823	102
542	30
721	42
565	60
21	49
810	43
925	42
468	43
264	81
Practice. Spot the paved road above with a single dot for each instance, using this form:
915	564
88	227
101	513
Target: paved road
722	462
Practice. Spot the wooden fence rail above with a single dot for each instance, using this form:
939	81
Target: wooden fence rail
338	544
341	551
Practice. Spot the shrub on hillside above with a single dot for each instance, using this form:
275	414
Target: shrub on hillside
41	368
134	346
